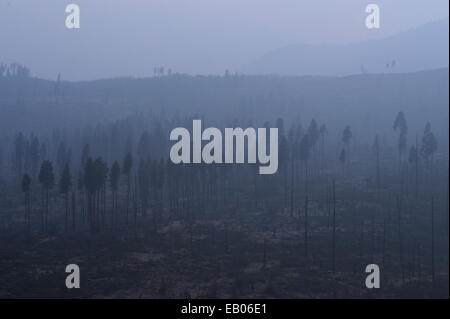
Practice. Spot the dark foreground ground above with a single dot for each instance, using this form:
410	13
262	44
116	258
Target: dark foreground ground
219	257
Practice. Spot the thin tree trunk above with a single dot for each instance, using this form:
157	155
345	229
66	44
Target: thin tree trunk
417	169
384	240
334	228
42	210
128	198
306	225
264	255
328	206
378	169
432	240
73	209
66	201
292	187
400	239
46	210
135	205
112	208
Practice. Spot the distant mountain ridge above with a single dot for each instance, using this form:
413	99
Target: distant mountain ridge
423	48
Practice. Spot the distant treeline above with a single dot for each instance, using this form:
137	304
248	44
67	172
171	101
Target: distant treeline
365	100
14	70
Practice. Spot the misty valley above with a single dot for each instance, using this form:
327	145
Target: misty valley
358	176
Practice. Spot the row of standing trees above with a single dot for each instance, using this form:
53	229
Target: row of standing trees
145	182
98	195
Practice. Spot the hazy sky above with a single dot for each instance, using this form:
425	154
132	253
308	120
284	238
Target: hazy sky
130	37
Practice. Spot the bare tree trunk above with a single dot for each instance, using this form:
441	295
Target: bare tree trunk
334	228
46	209
42	210
372	239
29	211
128	198
328	206
400	239
306	225
66	217
432	240
264	254
378	168
292	186
73	210
322	162
417	169
113	204
135	208
384	239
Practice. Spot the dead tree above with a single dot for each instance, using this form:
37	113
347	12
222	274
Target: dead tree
306	225
432	240
334	228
